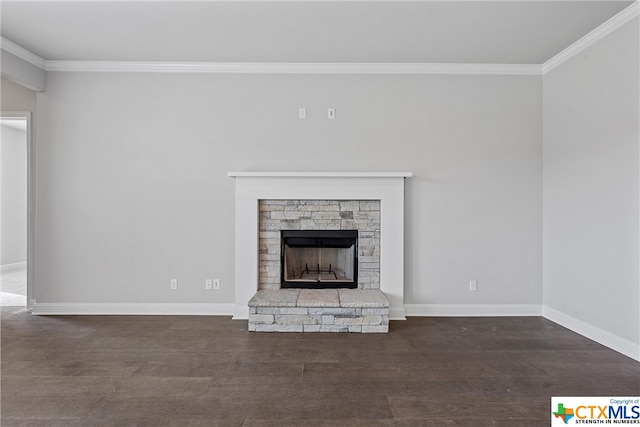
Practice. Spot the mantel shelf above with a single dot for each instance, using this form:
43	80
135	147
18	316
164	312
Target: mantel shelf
320	174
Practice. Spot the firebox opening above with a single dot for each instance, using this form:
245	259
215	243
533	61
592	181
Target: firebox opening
319	259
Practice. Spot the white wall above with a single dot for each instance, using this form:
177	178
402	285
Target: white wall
16	97
591	188
13	203
133	188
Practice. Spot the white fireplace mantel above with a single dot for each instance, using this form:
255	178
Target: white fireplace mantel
321	174
388	187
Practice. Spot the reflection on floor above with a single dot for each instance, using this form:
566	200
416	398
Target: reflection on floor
13	286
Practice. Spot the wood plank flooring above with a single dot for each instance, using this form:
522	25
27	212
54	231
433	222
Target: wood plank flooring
209	371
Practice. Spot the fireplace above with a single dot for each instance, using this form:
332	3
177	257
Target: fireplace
319	259
267	202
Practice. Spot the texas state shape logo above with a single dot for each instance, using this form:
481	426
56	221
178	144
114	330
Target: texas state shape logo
564	413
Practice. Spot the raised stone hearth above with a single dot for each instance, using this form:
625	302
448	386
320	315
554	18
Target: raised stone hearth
319	310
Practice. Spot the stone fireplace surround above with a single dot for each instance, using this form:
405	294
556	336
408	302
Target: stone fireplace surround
385	187
360	215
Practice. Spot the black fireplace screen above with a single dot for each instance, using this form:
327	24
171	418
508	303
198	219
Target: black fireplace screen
319	259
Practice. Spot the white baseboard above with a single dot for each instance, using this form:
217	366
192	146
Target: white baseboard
397	313
188	309
240	312
599	335
472	310
5	268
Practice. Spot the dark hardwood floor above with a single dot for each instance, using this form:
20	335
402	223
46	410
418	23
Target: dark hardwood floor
209	371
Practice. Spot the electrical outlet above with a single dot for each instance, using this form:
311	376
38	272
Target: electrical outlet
173	285
473	285
208	284
216	284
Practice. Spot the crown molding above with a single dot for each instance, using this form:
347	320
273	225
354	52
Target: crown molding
290	68
591	38
22	53
603	30
267	67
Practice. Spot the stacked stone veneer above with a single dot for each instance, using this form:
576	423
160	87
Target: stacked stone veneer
319	310
361	215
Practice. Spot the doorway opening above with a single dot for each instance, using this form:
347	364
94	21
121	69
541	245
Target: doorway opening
15	210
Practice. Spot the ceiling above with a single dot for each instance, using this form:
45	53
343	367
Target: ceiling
395	31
